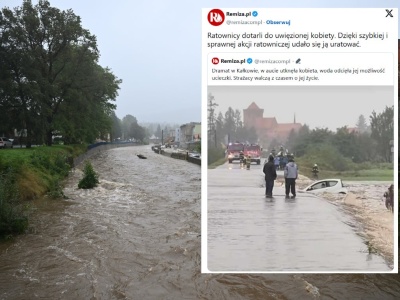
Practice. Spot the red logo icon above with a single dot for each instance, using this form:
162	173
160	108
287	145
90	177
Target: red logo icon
215	60
216	17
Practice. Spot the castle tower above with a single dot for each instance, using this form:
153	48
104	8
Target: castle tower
251	115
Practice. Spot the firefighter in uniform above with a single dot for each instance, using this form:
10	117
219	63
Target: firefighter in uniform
315	171
248	162
241	158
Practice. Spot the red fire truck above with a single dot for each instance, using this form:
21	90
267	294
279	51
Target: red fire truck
233	150
254	151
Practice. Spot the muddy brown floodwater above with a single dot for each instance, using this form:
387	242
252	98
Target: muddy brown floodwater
136	236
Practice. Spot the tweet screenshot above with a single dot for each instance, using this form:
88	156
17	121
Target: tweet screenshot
301	114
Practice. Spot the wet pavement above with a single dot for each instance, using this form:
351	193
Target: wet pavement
248	232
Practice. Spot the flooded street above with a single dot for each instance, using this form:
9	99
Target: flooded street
264	235
136	236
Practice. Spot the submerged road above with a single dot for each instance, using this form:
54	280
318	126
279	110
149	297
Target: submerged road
248	232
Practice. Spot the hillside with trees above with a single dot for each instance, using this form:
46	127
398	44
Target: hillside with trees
367	146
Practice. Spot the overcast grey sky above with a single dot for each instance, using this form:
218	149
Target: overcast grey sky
323	107
149	43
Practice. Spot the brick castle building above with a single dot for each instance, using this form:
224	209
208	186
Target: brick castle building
268	129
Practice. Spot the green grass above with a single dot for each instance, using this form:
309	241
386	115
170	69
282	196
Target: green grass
215	155
28	174
217	163
23	154
39	169
368	175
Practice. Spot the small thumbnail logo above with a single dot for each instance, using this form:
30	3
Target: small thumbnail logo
216	17
215	60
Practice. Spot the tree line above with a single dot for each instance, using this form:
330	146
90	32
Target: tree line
129	128
228	127
50	79
367	143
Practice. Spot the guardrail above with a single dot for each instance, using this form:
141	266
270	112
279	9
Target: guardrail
177	155
194	160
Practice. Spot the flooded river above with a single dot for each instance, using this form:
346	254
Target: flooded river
136	236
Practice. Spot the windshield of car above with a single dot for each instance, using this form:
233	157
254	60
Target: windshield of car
253	148
236	147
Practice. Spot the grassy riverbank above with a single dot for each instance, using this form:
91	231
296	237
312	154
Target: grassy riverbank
27	174
363	175
217	163
375	173
216	157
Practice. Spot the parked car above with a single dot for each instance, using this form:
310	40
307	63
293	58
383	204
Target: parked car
5	143
156	147
326	185
195	155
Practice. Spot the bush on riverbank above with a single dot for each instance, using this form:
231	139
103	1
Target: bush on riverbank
27	174
90	178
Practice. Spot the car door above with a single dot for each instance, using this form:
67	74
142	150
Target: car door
334	186
8	142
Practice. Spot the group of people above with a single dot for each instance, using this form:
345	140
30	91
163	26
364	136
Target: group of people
280	162
290	173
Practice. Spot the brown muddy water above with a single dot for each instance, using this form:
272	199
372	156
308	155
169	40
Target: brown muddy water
136	236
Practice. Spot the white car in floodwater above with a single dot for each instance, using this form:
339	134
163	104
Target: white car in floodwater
326	185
